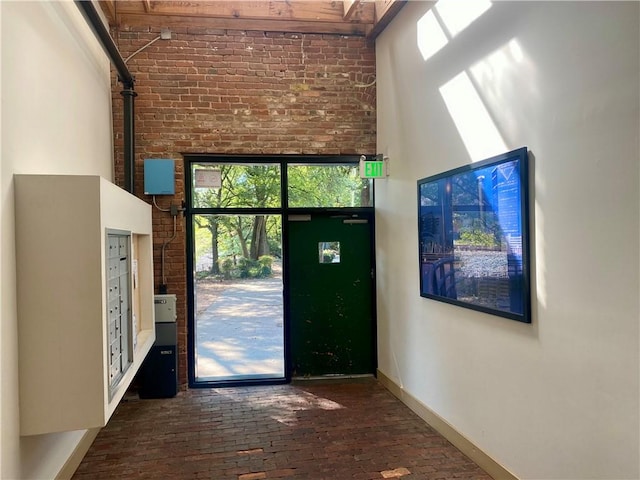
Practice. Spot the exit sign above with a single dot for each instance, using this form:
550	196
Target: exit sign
372	169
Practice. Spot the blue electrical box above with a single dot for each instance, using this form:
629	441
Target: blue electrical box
159	176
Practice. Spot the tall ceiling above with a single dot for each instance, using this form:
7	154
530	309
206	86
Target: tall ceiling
348	17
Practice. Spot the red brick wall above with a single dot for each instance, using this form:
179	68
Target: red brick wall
241	92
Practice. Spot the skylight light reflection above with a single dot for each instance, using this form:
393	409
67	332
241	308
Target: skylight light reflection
505	76
505	64
459	14
475	126
431	37
444	21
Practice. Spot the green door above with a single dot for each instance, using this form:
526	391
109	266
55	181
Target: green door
330	295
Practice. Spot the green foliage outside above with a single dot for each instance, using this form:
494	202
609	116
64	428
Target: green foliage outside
326	186
241	267
246	267
226	266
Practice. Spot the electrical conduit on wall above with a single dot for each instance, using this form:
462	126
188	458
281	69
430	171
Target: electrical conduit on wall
90	13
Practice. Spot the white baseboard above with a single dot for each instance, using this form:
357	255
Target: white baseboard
72	463
445	429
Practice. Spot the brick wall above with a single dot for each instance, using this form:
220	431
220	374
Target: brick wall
241	92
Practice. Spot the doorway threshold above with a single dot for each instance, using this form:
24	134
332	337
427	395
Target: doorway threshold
237	381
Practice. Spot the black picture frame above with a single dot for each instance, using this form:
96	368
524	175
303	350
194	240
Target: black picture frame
473	236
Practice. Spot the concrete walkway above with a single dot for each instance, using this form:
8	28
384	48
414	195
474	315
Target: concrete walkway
241	333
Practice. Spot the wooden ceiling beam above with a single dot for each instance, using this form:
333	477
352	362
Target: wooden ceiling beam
349	8
108	8
346	17
288	26
385	11
300	10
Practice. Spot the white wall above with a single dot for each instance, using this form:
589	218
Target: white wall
557	399
56	118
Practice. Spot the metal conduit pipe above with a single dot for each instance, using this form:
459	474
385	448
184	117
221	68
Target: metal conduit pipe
88	9
128	96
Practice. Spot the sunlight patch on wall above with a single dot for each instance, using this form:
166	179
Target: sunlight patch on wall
503	67
504	76
499	61
459	14
475	126
446	20
493	76
431	36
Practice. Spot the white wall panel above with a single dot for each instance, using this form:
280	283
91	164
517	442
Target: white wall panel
557	398
56	119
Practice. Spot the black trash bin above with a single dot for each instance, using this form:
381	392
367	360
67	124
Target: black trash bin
159	371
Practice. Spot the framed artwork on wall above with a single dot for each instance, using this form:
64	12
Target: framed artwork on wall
473	236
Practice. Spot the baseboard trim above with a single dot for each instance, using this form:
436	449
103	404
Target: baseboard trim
445	429
72	463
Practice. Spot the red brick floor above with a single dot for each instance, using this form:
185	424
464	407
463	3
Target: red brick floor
333	431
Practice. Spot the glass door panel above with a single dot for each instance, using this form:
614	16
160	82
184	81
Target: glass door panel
238	300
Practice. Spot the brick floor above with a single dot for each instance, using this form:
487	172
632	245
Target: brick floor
316	431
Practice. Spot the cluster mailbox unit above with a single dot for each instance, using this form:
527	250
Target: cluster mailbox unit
85	298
